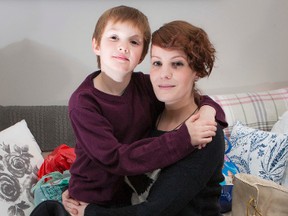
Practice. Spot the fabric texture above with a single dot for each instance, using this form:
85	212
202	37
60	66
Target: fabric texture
20	160
50	208
254	196
281	126
258	152
50	125
259	110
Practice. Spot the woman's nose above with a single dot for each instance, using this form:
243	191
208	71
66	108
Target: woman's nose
166	73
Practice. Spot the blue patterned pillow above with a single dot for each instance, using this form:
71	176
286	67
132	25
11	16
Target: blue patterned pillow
259	153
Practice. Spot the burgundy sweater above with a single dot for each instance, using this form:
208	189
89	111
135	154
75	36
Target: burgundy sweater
109	134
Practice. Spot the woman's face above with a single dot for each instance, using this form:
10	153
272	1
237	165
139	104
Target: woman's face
171	76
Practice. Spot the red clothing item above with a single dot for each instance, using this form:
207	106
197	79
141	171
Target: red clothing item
109	134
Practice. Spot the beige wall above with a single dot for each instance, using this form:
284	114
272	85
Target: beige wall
45	46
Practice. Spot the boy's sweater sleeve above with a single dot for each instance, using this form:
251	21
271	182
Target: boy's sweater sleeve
96	141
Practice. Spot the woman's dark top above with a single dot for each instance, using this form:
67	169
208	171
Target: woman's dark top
188	187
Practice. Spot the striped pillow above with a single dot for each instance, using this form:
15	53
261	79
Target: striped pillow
259	110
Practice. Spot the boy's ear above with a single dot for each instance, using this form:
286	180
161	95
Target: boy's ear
95	47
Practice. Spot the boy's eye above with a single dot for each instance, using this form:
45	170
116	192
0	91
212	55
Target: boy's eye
135	42
113	37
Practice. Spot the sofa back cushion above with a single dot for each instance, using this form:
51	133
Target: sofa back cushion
50	125
259	110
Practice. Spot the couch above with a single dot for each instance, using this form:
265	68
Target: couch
40	129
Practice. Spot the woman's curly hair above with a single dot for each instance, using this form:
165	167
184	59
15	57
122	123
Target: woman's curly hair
192	40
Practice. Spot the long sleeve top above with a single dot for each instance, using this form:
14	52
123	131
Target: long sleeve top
109	133
190	187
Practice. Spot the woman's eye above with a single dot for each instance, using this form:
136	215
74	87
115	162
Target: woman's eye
177	64
156	63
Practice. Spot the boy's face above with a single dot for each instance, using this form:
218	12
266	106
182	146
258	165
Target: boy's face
120	49
171	76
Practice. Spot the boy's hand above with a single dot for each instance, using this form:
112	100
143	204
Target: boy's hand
207	113
201	130
70	204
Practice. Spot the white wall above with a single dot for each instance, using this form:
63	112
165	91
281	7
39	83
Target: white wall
45	46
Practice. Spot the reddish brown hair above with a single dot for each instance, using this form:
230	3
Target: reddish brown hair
192	40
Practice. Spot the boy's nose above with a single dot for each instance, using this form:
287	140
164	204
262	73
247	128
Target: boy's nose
123	49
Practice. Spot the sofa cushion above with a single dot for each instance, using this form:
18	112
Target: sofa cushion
258	152
281	126
50	125
259	110
20	159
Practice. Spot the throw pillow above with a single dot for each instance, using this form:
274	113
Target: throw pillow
20	159
258	152
281	126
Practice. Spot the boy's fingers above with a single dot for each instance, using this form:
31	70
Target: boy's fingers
194	117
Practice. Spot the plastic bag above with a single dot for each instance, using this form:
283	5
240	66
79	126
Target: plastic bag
229	170
60	160
51	187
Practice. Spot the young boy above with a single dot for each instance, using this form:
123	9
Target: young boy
114	108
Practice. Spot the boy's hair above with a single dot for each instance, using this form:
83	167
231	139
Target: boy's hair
192	40
124	14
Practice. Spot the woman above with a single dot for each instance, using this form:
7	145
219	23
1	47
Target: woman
180	54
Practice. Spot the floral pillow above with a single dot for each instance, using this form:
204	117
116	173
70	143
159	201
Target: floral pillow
281	126
20	158
258	152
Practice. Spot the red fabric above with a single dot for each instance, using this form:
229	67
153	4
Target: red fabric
59	160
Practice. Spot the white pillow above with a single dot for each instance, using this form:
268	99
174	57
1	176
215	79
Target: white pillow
281	126
20	159
259	153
